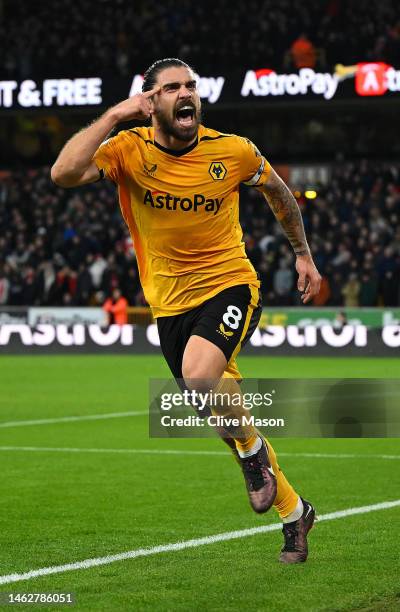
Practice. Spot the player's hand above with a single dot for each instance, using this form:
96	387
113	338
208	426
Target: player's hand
136	107
309	281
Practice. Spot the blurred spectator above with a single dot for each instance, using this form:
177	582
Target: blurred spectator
283	281
4	284
340	320
84	286
97	269
390	288
336	297
30	291
117	308
302	53
368	290
351	291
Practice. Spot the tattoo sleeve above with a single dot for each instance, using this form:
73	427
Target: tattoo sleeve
286	211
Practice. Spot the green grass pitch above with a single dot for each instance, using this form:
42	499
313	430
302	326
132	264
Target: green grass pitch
62	507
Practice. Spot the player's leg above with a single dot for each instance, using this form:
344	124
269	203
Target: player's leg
203	369
220	327
287	502
297	514
176	337
175	333
204	366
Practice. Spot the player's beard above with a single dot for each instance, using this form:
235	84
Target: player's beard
171	127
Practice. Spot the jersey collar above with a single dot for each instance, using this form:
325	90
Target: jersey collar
178	152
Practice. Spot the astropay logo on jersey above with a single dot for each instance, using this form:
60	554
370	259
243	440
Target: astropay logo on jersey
199	202
266	82
209	88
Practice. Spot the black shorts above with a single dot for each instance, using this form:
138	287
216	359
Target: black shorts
227	320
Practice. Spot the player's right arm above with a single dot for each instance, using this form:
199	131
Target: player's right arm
74	165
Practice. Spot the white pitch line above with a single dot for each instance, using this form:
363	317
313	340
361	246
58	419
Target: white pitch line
134	451
177	546
69	419
338	456
159	451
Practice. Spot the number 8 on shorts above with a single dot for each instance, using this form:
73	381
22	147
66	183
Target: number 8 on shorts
232	317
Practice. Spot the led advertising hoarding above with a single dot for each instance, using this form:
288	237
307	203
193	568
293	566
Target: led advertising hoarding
365	79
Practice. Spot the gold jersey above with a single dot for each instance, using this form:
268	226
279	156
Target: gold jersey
182	210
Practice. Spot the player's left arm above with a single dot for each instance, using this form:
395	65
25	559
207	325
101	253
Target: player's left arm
287	213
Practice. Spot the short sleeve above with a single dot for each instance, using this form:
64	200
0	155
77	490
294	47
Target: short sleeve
108	159
254	168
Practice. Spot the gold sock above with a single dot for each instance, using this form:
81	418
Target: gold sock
286	497
246	435
227	389
245	445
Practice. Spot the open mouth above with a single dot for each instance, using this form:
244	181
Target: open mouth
185	116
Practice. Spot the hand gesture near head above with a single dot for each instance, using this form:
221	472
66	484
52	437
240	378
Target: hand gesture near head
137	107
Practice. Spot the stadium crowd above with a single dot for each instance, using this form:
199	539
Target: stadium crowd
71	247
125	36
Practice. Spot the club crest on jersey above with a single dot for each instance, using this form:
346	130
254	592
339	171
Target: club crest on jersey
150	170
199	202
217	171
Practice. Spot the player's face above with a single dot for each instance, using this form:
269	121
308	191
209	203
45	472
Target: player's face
177	107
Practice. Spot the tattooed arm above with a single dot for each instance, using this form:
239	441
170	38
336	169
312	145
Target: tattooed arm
287	213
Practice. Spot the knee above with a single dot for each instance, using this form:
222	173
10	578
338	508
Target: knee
197	377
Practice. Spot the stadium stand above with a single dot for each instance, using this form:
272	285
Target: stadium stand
71	247
131	35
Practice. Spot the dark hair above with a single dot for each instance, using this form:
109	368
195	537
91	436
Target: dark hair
150	76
